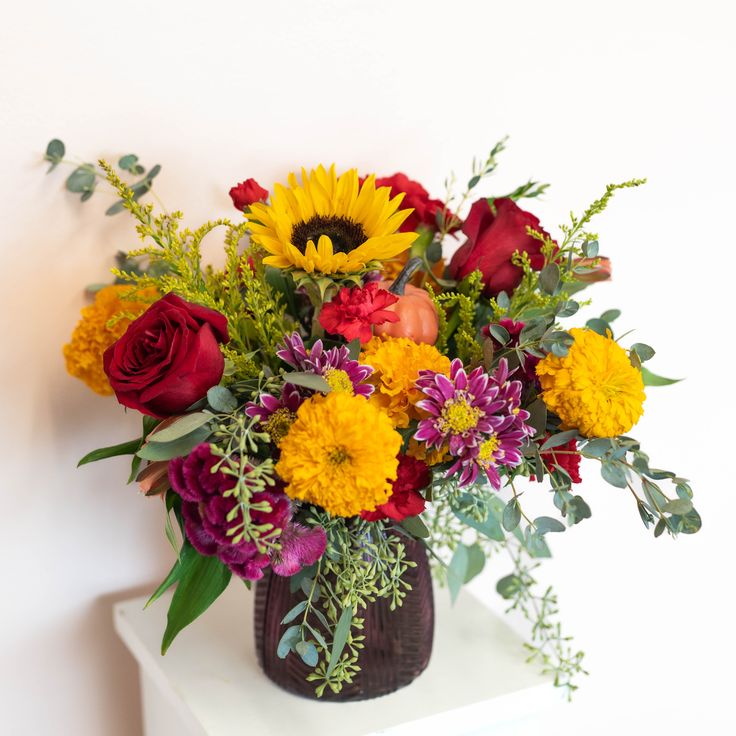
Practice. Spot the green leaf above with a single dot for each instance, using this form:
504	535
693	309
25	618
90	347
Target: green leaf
645	352
167	450
55	153
599	325
127	163
546	524
549	278
124	448
690	523
200	584
590	249
614	474
340	638
476	561
182	427
511	515
679	506
611	315
579	509
473	181
652	379
288	640
354	349
82	179
308	652
500	333
222	400
507	587
457	570
184	560
308	380
294	612
562	438
416	527
596	448
490	526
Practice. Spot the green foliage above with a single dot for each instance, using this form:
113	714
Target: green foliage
200	581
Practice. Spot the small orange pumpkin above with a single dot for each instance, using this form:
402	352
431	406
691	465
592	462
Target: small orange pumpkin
416	311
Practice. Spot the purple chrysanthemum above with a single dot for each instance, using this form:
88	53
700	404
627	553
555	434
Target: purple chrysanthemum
276	415
334	365
476	417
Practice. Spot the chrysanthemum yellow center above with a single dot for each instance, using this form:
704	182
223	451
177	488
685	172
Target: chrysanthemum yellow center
338	380
487	448
277	425
459	417
344	233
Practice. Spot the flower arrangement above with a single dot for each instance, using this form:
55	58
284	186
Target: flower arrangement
347	386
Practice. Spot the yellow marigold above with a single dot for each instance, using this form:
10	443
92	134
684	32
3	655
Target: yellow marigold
419	451
594	388
340	454
396	362
93	335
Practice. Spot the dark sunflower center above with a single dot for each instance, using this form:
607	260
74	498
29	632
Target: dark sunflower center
345	234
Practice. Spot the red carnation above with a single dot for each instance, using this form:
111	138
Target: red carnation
354	310
246	193
566	457
405	500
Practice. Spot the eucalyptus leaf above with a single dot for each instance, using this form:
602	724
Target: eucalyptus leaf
511	515
645	352
181	427
308	380
610	315
508	586
679	506
288	639
457	570
221	399
561	438
500	333
590	249
82	179
416	527
614	474
308	652
598	325
549	278
546	524
294	612
55	153
168	450
476	562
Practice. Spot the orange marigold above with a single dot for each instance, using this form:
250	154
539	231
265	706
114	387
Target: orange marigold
396	362
102	323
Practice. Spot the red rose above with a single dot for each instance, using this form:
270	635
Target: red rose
246	193
168	358
405	500
353	311
493	237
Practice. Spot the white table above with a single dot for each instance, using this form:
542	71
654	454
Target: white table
209	683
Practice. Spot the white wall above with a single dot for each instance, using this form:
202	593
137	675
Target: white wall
220	91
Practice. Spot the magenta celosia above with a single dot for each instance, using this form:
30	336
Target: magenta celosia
301	546
205	508
476	417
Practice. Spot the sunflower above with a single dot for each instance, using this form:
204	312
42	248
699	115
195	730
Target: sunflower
340	454
330	225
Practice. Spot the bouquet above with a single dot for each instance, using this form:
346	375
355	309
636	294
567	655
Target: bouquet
372	379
